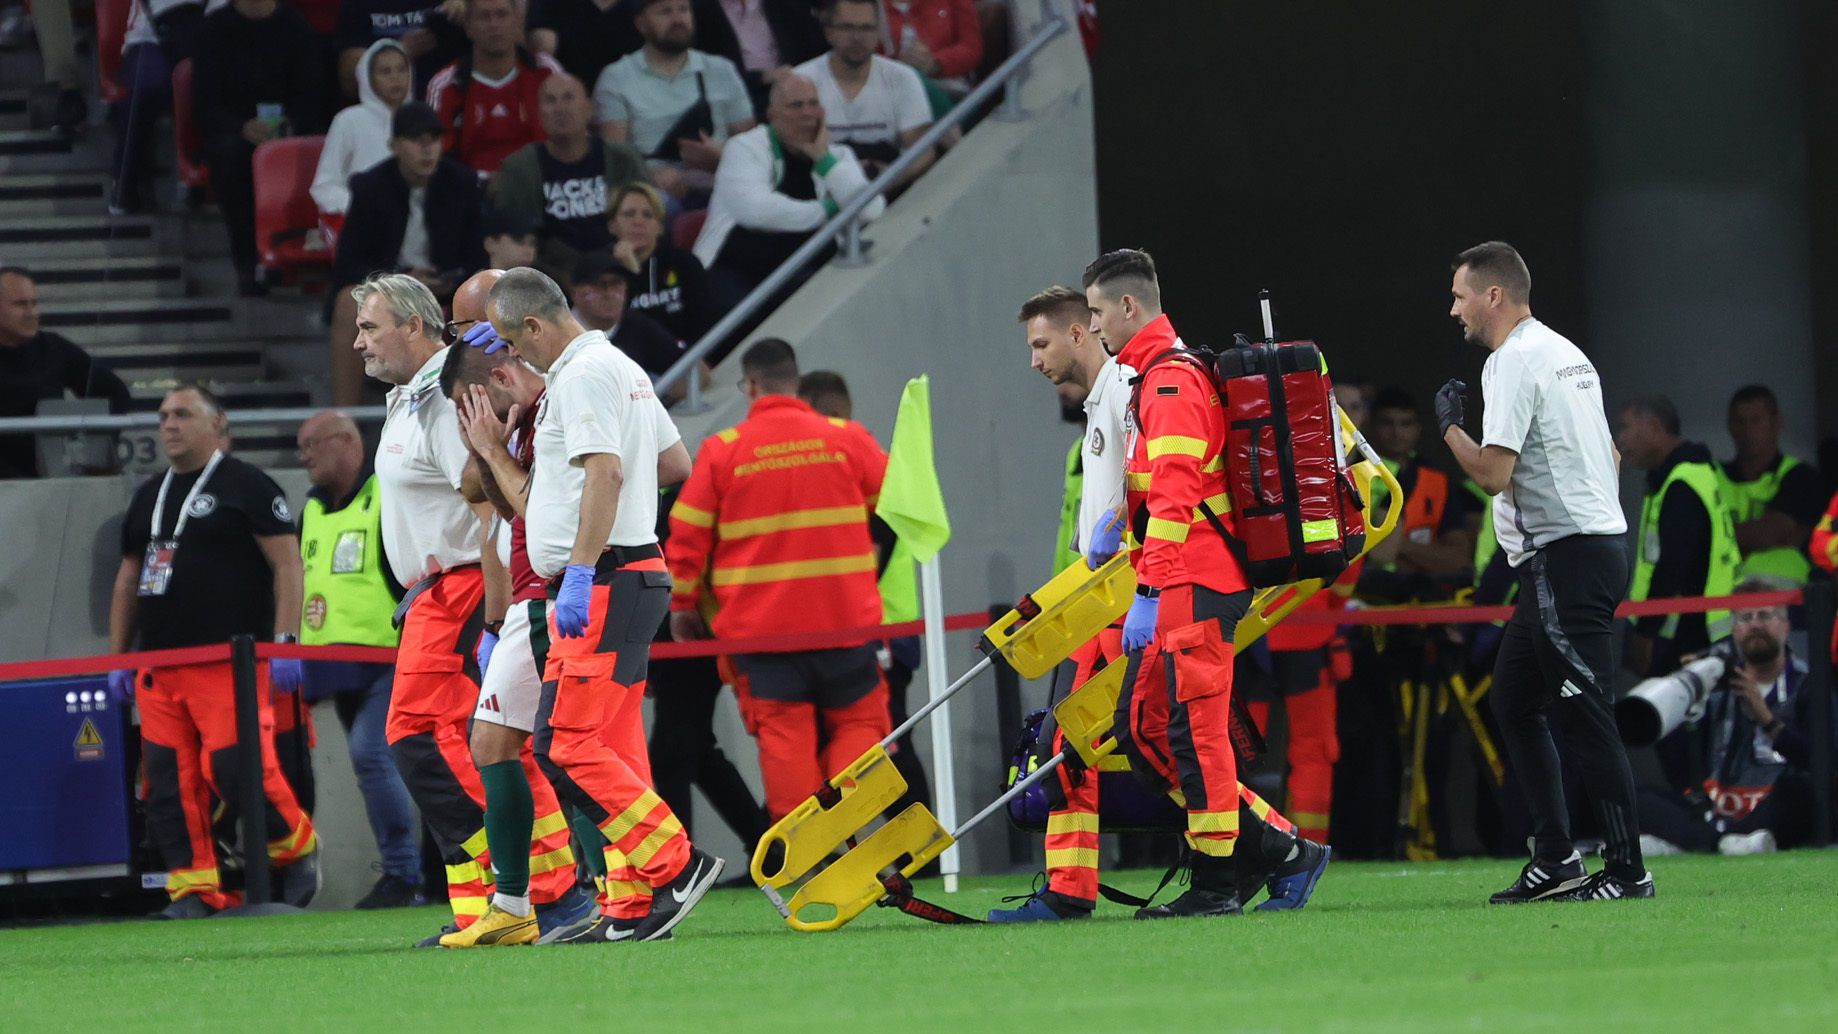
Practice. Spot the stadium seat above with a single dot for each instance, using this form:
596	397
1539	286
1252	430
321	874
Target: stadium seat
185	138
111	29
286	220
687	228
322	15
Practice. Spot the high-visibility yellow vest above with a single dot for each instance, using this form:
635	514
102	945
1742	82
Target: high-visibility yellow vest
1485	544
1720	576
1064	551
347	593
1747	501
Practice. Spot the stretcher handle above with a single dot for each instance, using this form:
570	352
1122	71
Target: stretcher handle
937	701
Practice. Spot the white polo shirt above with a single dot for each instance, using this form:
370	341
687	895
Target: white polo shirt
1543	400
1107	417
891	101
427	526
598	401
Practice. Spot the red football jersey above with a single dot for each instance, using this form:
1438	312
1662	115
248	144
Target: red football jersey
500	116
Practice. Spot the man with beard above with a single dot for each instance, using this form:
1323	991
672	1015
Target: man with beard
874	104
1546	457
1739	774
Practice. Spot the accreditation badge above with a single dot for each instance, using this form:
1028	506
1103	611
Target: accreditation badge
348	552
156	567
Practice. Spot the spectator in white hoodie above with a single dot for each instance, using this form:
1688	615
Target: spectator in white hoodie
359	137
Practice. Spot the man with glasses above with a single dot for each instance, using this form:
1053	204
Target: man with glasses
350	595
874	104
1738	775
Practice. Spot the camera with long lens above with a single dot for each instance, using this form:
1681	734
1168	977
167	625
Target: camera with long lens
1655	707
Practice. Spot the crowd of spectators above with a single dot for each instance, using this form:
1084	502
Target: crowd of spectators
558	109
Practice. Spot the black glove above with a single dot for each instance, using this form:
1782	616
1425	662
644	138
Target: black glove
1449	406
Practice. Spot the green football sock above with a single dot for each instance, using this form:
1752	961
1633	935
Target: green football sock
510	813
593	842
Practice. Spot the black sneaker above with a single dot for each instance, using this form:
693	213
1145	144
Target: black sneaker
1541	881
1603	887
1196	902
433	940
597	929
670	903
191	906
392	891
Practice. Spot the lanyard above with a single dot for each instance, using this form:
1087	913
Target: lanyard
159	503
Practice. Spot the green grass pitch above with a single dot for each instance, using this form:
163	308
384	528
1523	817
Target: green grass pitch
1748	944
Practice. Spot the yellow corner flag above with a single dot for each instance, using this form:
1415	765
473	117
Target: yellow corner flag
911	502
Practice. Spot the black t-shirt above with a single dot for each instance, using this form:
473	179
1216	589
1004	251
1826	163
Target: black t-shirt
648	343
574	198
672	288
221	584
587	38
363	22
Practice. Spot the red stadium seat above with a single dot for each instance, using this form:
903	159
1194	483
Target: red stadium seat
111	29
687	228
322	15
185	138
286	219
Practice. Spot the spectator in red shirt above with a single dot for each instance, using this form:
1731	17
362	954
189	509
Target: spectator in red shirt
941	39
487	99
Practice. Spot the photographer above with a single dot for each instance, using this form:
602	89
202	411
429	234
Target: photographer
1739	770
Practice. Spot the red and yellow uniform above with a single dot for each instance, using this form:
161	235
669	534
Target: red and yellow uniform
773	525
1823	549
1176	704
1311	709
1072	816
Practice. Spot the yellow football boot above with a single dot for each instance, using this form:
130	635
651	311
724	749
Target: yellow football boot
494	929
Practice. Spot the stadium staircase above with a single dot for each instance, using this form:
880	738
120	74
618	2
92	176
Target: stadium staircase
151	295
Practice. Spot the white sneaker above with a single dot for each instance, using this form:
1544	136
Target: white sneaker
1759	842
1652	846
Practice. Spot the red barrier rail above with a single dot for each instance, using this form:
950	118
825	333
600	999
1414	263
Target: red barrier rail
1434	614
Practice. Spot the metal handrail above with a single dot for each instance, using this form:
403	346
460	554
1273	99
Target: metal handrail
130	421
846	224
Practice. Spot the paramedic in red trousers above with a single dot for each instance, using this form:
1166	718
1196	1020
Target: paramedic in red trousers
773	525
1174	714
434	520
1547	458
208	552
590	524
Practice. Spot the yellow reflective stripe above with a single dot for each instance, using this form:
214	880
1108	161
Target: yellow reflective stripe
1221	505
301	841
476	844
474	907
619	825
688	514
1177	445
465	872
621	890
648	848
825	517
1312	819
1320	531
793	569
1259	807
1214	465
1177	797
1212	821
549	861
838	421
1072	822
193	879
554	822
1137	480
1172	531
728	434
1073	858
1831	551
1212	847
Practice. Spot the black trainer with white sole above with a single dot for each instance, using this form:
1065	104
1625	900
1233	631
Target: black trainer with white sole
670	903
1603	887
1542	881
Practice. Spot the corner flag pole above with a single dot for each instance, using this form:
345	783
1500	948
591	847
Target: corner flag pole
944	767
